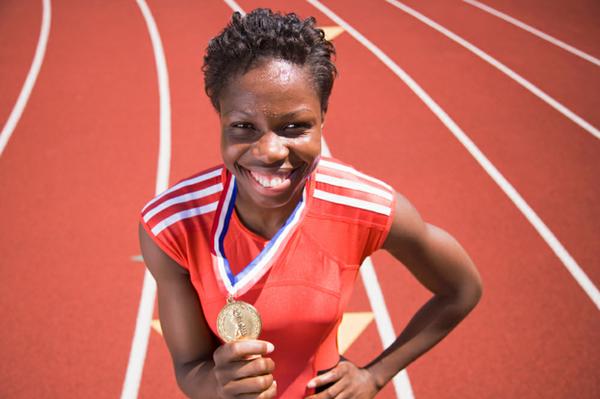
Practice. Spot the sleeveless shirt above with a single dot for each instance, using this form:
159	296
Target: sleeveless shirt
301	298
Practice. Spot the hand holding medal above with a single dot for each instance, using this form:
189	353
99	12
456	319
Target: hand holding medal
243	368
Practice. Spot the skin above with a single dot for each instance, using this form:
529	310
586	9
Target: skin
271	121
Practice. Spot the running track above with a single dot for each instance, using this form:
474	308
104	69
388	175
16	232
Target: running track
82	161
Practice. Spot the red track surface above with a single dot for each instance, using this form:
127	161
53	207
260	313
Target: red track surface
82	162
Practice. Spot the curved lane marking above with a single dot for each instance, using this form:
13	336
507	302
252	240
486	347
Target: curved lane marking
34	70
139	346
383	321
559	250
588	127
534	31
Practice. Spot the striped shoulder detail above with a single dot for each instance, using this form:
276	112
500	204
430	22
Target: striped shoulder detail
349	190
188	198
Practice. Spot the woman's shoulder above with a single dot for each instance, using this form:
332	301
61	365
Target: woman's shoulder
344	191
335	167
192	196
198	182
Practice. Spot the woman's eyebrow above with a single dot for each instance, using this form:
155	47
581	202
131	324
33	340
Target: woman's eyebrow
294	113
246	113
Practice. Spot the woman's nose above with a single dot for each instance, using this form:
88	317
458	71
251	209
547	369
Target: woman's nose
271	148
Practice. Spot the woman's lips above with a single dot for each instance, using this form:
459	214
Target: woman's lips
272	180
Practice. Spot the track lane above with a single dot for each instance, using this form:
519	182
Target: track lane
514	313
567	79
68	228
575	22
542	35
19	32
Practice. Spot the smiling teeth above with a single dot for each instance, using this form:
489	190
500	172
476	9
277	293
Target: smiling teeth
268	182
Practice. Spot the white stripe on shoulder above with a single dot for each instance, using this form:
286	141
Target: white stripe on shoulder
185	183
338	166
354	185
353	202
184	198
188	213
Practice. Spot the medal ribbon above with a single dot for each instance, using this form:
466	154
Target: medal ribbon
237	285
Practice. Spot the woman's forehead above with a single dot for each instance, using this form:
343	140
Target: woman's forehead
274	86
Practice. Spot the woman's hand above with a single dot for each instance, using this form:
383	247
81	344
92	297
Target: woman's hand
242	371
349	382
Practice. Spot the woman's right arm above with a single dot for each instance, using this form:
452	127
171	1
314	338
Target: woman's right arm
203	367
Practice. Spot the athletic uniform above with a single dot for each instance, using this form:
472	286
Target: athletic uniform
302	282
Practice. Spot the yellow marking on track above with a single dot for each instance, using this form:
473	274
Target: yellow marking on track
156	326
331	32
352	326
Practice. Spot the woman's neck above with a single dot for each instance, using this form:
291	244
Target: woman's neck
265	222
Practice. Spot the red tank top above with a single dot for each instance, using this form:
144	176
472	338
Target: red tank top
302	296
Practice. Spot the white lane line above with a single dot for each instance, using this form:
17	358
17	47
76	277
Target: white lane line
501	67
141	335
401	381
34	70
559	250
235	6
383	321
534	31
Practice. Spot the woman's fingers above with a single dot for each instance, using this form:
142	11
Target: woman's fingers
244	369
241	369
259	366
348	381
323	379
252	385
333	391
241	350
268	394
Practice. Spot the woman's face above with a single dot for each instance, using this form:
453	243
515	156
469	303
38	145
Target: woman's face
271	124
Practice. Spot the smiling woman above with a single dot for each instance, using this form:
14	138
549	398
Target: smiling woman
268	245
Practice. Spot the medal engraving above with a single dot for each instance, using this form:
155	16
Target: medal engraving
238	320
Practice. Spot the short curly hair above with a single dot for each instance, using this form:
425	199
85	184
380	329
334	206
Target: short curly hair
261	34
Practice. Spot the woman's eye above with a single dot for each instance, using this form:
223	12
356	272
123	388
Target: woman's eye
242	125
296	126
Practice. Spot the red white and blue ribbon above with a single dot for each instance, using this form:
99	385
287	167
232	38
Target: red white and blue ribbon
238	284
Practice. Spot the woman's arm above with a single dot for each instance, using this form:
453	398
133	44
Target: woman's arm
438	261
186	333
203	367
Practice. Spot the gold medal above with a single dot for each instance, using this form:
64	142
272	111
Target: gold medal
238	320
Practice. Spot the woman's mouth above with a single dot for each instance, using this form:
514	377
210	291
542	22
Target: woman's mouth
271	180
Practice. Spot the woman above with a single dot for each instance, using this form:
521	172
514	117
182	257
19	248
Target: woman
282	229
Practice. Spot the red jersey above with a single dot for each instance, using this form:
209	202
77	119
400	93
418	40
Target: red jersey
301	294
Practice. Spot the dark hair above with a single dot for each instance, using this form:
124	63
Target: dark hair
247	40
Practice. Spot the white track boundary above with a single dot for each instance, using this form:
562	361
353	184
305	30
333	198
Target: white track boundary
383	321
34	70
534	31
559	250
141	335
588	127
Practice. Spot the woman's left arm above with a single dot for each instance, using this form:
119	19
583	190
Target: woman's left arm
438	261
